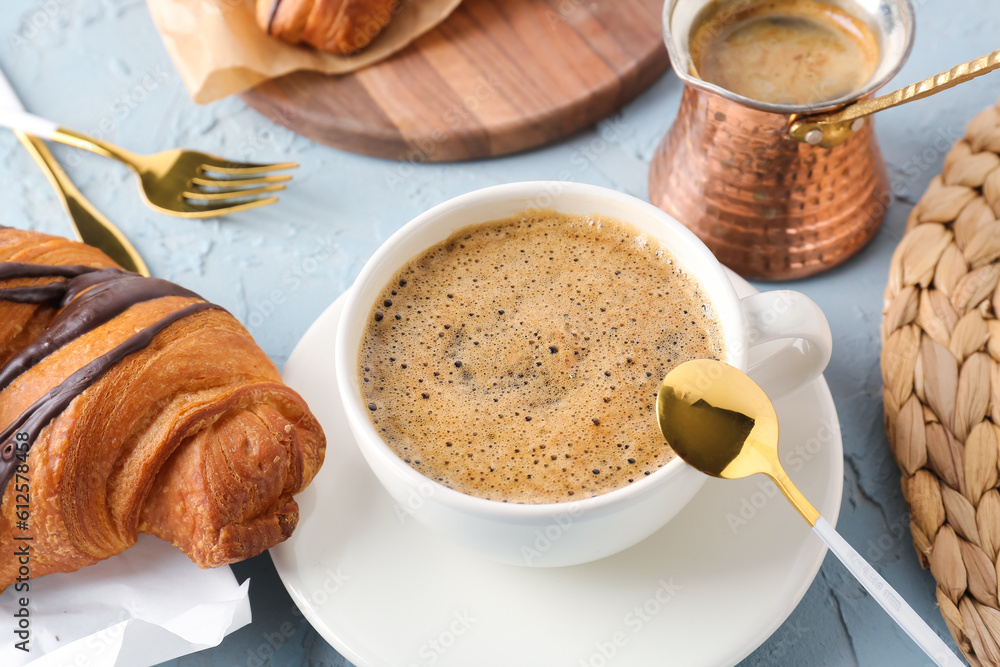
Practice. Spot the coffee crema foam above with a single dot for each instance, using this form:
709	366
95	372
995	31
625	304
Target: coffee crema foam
519	360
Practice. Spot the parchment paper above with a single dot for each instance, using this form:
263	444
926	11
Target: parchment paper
219	49
142	607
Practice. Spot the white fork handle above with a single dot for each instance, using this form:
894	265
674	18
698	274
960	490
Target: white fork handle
16	119
13	115
9	98
885	595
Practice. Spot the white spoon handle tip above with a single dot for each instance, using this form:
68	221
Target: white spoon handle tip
885	595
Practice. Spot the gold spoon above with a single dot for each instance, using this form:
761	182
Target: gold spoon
834	127
719	421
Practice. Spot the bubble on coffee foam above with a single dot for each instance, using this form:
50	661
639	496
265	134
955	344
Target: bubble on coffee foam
468	389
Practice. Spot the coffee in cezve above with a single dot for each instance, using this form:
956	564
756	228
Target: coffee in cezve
796	52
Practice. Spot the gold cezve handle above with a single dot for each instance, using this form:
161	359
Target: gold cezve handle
833	128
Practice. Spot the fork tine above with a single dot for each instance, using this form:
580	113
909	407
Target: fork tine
245	168
210	210
231	194
231	182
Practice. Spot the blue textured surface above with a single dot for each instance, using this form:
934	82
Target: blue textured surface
100	67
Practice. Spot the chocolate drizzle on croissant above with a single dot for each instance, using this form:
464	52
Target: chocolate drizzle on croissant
42	411
111	292
270	18
53	291
114	291
148	409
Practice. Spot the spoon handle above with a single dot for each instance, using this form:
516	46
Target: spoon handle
834	127
885	595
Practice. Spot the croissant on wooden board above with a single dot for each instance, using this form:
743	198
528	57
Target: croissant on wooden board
128	405
338	26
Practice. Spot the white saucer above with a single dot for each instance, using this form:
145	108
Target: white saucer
707	589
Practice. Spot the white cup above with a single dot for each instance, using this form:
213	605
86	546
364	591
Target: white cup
577	531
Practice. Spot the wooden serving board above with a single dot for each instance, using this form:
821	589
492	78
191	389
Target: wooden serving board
497	76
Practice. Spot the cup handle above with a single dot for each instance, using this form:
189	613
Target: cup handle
784	315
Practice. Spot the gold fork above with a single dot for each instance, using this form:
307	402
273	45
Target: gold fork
177	182
89	225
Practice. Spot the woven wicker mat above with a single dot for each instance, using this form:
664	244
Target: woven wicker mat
941	369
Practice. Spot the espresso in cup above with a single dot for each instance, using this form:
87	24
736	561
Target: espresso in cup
589	526
519	359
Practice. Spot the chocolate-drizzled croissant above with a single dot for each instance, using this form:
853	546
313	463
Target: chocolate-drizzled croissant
338	26
129	405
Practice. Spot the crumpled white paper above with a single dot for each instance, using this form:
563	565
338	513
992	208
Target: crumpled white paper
144	606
